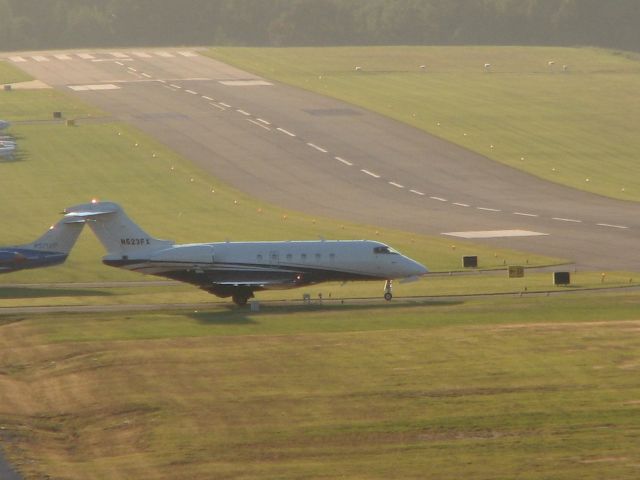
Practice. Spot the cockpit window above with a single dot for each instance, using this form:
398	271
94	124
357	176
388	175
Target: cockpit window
384	250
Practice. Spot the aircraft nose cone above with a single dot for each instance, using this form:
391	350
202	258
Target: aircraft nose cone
420	269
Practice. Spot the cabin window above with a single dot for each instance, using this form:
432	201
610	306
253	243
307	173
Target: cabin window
318	256
303	257
289	257
332	256
259	258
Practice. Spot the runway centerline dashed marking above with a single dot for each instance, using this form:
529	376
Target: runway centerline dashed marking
207	98
461	205
258	124
286	132
149	76
371	174
397	185
219	107
569	220
343	161
261	120
226	105
176	86
439	199
242	112
191	92
620	227
316	147
486	209
525	214
417	192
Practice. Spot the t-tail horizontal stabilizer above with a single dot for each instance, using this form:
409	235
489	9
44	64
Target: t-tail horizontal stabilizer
116	231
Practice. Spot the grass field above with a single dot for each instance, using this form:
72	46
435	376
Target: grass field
575	127
526	388
9	74
61	166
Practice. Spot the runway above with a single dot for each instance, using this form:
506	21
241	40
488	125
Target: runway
303	151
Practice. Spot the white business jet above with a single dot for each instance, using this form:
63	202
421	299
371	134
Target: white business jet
238	269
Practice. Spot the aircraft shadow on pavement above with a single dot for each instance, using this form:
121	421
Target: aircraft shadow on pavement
22	292
233	315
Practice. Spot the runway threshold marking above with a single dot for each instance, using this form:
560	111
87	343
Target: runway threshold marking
63	57
40	58
243	112
86	88
17	59
141	54
207	98
86	56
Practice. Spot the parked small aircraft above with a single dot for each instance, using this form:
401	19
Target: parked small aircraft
238	269
50	249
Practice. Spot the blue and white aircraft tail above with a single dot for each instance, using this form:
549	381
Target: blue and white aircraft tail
50	249
238	269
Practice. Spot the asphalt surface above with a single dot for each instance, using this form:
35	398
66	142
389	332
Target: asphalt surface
303	151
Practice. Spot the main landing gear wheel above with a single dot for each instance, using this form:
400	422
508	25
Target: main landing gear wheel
240	300
388	287
241	297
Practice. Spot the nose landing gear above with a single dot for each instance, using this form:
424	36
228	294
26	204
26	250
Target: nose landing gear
388	288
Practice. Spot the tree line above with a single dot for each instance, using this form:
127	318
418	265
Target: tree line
46	24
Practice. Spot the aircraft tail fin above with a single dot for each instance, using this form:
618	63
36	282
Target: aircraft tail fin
60	238
116	231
